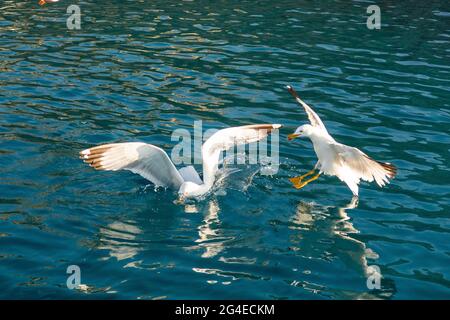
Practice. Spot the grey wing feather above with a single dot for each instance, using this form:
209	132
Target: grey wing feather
190	174
362	166
147	160
227	138
314	119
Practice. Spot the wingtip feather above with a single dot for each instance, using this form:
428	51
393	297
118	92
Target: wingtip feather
390	168
94	156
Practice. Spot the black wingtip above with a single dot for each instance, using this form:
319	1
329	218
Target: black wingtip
292	91
390	168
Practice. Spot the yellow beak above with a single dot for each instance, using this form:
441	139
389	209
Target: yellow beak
293	136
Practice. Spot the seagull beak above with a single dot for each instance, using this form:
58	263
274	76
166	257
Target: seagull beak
293	136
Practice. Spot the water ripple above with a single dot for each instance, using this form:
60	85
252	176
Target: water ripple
143	70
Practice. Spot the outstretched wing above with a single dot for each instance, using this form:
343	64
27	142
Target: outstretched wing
226	138
190	174
312	116
355	165
147	160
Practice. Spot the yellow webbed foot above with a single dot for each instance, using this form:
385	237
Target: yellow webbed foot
297	182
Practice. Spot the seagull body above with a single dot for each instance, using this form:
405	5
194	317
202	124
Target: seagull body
347	163
153	163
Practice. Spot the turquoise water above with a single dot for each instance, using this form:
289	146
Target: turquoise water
137	70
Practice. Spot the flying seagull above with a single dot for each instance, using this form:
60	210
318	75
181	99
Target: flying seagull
347	163
153	163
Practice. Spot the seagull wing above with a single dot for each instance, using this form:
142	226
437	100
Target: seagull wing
147	160
225	139
190	174
312	116
352	165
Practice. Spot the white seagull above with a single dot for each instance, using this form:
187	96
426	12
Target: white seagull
347	163
153	163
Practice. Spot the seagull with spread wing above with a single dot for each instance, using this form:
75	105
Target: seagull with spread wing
347	163
153	163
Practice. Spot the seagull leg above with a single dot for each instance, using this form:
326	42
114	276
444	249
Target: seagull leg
297	180
304	183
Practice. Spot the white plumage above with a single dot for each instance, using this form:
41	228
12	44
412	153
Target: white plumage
347	163
153	163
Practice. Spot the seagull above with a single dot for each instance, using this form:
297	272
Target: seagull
153	163
347	163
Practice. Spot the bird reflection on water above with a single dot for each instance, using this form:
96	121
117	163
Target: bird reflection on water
353	252
208	232
317	233
119	238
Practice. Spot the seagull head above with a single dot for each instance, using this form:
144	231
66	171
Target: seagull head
303	131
